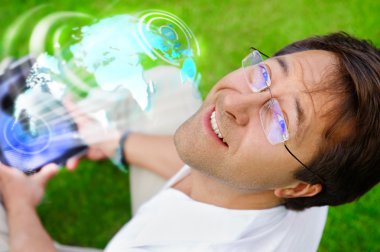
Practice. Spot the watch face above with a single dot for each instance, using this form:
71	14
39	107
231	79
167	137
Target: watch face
34	135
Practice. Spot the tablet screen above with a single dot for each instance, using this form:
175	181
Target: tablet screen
33	137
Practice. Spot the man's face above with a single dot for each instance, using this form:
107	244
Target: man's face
247	160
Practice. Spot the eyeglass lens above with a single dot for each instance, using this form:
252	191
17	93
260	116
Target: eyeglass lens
272	118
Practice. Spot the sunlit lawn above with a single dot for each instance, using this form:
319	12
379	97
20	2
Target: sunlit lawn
88	206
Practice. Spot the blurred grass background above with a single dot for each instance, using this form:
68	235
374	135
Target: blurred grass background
88	206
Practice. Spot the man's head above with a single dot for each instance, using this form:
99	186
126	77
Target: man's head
323	104
349	157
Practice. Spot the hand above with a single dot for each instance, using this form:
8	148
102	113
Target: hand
102	142
20	189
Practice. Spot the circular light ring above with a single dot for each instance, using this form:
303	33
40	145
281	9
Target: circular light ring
147	22
16	143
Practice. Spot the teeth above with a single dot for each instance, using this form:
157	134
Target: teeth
215	127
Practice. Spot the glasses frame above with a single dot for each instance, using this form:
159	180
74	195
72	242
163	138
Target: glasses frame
252	49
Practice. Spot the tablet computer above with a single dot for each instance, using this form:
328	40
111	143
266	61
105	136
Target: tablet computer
28	141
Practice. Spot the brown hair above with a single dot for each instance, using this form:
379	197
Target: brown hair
349	163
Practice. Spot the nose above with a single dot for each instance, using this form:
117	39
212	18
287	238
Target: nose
243	107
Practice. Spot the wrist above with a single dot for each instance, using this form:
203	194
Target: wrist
18	205
111	146
119	154
16	198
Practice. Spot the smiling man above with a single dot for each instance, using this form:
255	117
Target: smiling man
292	132
252	119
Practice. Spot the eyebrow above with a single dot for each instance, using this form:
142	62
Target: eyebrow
284	65
300	116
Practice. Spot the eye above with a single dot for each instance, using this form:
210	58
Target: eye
280	119
264	73
281	123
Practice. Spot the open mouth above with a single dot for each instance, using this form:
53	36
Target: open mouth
215	127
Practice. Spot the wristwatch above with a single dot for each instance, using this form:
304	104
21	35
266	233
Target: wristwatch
118	158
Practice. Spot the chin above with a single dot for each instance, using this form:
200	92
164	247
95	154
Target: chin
194	148
185	144
181	141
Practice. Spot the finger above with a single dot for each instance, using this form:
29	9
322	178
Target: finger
6	170
45	174
75	112
69	104
72	163
4	167
95	154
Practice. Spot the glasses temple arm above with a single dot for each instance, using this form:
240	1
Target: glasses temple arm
253	48
321	180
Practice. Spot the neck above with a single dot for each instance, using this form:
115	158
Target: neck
203	188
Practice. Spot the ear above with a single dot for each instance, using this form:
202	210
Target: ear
300	189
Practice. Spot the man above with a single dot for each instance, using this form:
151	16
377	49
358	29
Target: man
294	131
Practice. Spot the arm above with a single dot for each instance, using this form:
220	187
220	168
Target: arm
155	153
21	194
26	232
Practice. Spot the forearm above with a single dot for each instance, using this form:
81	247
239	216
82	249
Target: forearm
26	232
155	153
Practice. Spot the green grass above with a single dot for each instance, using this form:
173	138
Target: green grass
87	207
354	227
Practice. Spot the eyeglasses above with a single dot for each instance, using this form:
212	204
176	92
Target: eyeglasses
271	115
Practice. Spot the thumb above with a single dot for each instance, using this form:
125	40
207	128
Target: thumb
72	163
6	171
45	174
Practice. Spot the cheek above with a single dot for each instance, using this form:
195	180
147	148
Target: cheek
263	167
183	140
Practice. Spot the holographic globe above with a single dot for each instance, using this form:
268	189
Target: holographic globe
93	71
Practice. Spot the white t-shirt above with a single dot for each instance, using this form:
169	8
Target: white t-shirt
172	221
